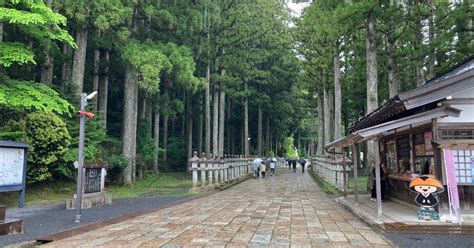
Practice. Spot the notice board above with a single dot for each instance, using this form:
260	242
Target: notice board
13	158
12	162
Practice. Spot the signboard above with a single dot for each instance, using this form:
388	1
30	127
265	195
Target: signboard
13	156
12	162
452	183
93	180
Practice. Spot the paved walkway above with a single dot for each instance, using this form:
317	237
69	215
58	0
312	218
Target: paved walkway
285	210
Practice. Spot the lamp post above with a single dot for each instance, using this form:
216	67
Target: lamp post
80	159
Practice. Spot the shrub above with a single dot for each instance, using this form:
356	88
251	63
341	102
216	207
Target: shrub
117	163
49	140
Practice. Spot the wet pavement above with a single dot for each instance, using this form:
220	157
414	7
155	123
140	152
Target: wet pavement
288	209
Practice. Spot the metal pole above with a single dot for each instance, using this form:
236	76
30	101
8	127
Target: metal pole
82	121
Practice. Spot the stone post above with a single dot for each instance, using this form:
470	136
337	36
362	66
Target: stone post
202	168
226	171
216	172
222	170
209	171
194	168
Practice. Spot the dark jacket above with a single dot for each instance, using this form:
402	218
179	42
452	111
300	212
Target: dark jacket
429	200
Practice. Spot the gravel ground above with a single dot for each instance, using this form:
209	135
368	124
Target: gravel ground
430	240
42	221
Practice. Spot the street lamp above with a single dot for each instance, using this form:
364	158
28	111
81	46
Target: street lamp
82	122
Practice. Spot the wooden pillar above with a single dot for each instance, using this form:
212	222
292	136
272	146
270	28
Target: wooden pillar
355	163
377	179
344	175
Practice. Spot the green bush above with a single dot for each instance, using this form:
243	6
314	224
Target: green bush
176	155
117	163
49	140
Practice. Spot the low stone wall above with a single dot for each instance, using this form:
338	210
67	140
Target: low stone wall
330	169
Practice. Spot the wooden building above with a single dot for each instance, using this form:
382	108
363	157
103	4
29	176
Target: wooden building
412	129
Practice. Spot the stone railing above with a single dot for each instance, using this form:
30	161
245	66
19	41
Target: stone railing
216	173
331	169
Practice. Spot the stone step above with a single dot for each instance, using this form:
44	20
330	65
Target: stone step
11	226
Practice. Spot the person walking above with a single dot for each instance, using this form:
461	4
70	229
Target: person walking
302	163
293	163
272	165
263	168
256	167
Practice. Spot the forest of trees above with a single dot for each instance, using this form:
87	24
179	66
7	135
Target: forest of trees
218	77
172	76
358	54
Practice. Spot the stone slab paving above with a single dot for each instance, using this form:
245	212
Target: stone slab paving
287	210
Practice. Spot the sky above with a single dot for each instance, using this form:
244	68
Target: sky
297	8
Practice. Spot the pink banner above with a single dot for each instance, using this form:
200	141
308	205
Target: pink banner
452	182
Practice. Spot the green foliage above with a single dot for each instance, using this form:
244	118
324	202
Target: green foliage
289	146
176	155
117	163
32	96
49	140
15	52
150	63
33	19
145	143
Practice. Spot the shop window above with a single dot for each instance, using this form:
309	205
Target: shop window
464	166
403	148
456	134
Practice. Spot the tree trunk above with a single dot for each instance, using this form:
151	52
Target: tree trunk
189	128
207	99
149	117
230	127
104	89
337	98
311	151
47	68
66	70
128	134
246	123
372	80
156	136
200	126
215	123
165	138
321	123
330	114
267	135
1	32
393	85
221	123
79	62
299	139
259	132
95	77
135	129
327	118
142	106
183	120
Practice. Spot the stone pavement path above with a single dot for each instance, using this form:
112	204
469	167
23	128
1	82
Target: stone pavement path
281	211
